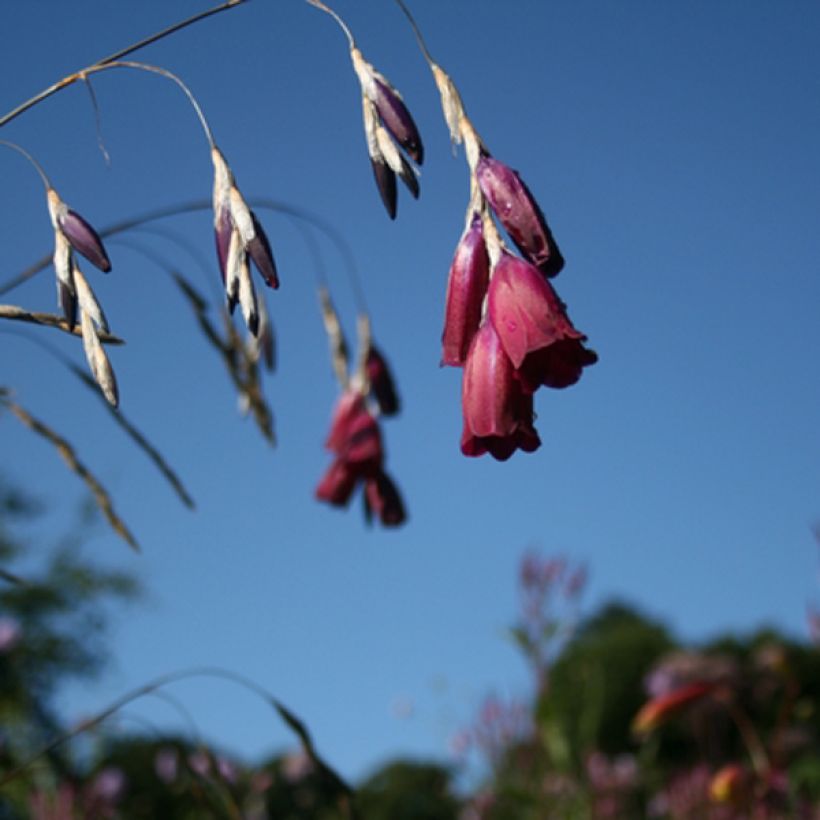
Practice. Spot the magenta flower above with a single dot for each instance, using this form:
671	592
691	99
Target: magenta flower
498	415
466	288
382	498
338	483
519	213
354	433
530	320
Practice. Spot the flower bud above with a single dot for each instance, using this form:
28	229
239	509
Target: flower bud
519	213
466	288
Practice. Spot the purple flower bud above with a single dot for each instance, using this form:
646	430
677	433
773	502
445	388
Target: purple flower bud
382	497
84	239
396	118
519	213
382	384
386	182
260	251
497	414
466	287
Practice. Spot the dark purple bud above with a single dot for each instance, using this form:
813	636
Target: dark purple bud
382	384
397	120
408	177
260	251
386	181
84	239
466	288
519	213
382	498
223	228
68	303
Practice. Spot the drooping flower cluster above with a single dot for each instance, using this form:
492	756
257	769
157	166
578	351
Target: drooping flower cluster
356	443
72	233
504	323
355	437
238	237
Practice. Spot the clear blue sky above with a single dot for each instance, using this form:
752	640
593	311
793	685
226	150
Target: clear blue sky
674	149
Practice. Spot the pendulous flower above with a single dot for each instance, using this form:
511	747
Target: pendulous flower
498	414
466	288
387	123
239	236
519	213
533	326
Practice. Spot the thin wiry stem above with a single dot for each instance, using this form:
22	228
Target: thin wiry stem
163	72
320	5
100	494
417	31
15	313
39	168
293	723
70	79
203	205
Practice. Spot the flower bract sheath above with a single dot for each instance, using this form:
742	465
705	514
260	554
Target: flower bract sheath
530	319
660	709
382	383
466	288
498	415
519	213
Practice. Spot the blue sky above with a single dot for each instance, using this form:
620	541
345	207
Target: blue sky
673	148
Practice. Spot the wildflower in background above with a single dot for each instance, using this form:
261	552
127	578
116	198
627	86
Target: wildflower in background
10	633
166	764
239	236
466	288
729	784
498	415
658	710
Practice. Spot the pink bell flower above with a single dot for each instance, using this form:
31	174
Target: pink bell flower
498	415
530	320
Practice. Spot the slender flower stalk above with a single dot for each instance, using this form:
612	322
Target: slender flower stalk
81	74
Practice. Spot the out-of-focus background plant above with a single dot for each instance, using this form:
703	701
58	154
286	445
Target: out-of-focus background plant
621	719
